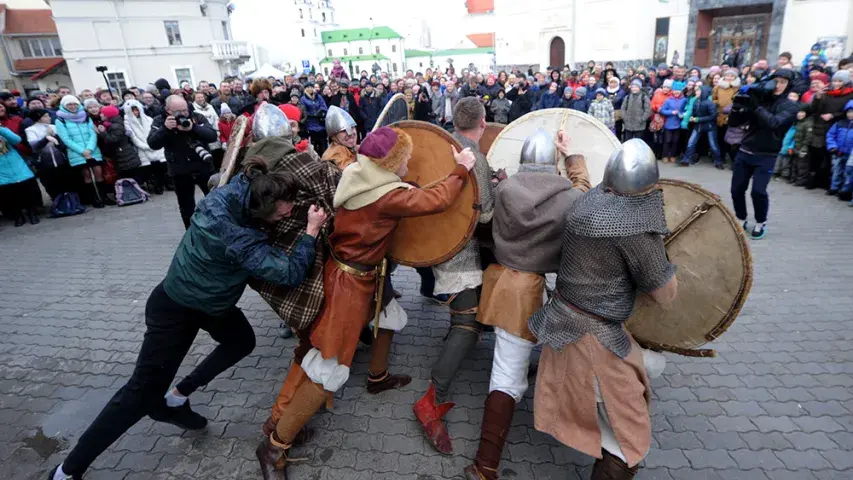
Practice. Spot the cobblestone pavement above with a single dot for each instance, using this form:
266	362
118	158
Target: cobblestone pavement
776	403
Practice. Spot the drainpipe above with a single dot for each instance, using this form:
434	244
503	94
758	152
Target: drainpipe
123	45
574	32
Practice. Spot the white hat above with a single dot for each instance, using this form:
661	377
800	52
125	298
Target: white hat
68	99
225	109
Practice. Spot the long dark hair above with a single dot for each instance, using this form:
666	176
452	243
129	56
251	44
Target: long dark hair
266	187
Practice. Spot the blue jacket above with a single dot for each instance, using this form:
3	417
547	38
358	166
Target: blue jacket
78	137
548	100
788	142
13	168
580	104
705	112
839	138
672	104
590	91
222	249
315	110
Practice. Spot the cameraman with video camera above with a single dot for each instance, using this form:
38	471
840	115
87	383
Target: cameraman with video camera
764	110
184	138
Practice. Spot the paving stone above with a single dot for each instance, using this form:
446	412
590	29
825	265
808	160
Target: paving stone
806	459
709	459
750	459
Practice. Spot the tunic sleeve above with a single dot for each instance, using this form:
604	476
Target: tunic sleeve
414	202
648	265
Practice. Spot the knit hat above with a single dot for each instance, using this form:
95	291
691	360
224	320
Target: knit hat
110	111
601	91
581	91
732	71
36	114
637	82
292	112
822	77
817	46
69	99
668	82
842	75
662	66
693	79
225	109
86	103
713	70
567	90
387	147
678	86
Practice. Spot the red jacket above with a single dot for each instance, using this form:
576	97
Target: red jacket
13	123
225	130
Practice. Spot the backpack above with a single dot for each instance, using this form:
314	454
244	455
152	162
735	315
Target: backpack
50	157
66	204
128	192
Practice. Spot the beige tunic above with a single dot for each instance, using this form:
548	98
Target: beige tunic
565	401
509	298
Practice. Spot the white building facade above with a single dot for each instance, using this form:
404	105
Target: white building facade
363	49
140	41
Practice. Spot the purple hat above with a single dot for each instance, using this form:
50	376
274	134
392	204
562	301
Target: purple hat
387	147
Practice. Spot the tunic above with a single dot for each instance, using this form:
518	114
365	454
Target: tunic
341	155
509	298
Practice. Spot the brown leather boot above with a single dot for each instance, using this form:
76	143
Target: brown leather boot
379	379
273	458
610	467
496	421
386	381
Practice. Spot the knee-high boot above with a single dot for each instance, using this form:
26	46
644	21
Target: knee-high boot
295	377
379	379
496	421
610	467
272	452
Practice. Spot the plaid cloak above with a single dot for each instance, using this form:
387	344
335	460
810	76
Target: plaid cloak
299	306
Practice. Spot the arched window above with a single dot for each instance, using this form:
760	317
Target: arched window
360	51
303	33
300	16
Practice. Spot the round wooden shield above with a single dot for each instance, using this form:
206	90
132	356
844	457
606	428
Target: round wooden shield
708	245
229	162
588	136
396	110
489	136
433	239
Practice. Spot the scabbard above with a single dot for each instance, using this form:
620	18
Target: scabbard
380	290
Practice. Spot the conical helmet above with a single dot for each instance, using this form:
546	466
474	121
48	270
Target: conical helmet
632	169
539	149
269	121
338	120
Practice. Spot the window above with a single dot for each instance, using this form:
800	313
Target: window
303	32
332	16
393	48
315	33
326	69
345	51
225	33
184	74
41	47
330	52
173	32
360	51
324	16
395	67
377	49
300	16
117	81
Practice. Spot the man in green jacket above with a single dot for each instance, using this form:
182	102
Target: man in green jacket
222	248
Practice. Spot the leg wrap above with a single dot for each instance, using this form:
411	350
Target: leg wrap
464	333
510	365
609	467
307	400
496	422
379	351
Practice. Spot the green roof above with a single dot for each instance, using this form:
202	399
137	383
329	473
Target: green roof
417	53
354	34
450	52
354	58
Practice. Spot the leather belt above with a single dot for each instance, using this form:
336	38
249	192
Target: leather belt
354	270
570	306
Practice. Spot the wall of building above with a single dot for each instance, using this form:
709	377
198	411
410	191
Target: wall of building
806	21
54	81
142	70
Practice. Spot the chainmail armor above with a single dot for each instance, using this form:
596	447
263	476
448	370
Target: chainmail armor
602	213
483	172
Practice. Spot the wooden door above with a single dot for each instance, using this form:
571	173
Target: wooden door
558	53
747	31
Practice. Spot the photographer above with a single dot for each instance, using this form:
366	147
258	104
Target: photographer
764	109
184	138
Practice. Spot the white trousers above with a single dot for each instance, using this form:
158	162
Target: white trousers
510	364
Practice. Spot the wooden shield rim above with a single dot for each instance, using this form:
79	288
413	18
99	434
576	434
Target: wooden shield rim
565	113
385	111
235	142
497	126
472	180
745	284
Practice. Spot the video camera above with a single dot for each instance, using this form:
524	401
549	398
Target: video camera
750	97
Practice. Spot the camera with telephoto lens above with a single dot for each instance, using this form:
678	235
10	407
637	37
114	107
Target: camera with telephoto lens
202	153
184	122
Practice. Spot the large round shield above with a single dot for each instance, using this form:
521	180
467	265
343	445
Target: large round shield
714	262
396	110
433	239
229	162
489	136
588	137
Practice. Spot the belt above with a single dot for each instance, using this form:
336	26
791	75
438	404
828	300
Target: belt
381	272
353	269
570	306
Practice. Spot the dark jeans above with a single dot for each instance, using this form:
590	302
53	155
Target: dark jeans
759	168
693	141
320	141
156	175
671	141
185	191
171	329
628	135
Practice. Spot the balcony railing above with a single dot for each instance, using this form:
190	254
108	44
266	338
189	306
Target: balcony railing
230	50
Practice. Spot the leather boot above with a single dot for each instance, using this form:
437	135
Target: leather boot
379	379
610	467
103	189
270	453
20	220
33	217
496	421
430	415
94	194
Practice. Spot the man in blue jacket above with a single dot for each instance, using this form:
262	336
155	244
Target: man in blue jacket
220	251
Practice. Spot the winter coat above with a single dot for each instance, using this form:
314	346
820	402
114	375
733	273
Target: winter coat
13	168
688	111
467	91
153	110
369	110
657	100
803	136
521	104
616	98
77	136
234	103
225	131
500	109
16	124
767	125
788	142
125	155
212	117
832	102
636	110
549	100
602	110
705	112
673	120
180	147
839	139
580	104
590	92
437	99
723	98
140	129
315	109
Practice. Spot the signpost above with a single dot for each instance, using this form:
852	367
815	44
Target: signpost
306	66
